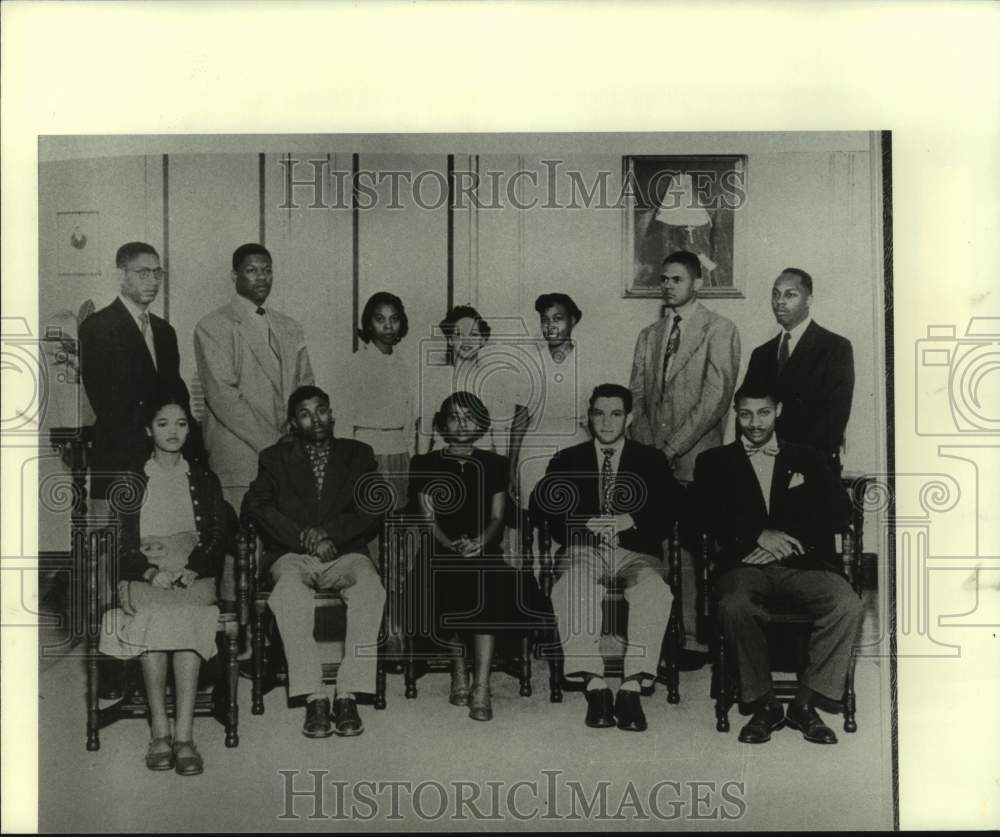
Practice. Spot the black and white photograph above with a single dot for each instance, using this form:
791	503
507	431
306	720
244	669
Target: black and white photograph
437	476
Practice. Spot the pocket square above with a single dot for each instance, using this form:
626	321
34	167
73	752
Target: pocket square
796	480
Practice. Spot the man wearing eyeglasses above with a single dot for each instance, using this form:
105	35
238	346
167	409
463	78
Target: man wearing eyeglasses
127	355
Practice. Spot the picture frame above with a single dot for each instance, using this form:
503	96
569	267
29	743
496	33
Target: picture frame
691	202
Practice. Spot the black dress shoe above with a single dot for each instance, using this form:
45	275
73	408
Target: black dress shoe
628	709
345	717
805	719
765	720
600	708
318	723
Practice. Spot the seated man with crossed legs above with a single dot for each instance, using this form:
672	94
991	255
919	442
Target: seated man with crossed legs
622	499
305	502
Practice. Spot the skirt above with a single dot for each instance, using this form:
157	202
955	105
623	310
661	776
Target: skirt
153	619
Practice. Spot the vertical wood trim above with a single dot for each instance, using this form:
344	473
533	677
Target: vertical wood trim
166	236
262	193
355	253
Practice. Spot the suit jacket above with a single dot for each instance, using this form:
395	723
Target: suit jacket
283	502
686	417
245	395
730	504
570	494
120	379
211	518
815	387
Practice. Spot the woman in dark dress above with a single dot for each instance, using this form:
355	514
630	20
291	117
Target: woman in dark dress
462	491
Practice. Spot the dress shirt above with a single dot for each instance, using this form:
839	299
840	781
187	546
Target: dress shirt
684	312
147	332
616	457
762	461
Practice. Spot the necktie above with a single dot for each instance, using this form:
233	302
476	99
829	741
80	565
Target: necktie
607	481
783	351
147	336
272	341
673	342
770	449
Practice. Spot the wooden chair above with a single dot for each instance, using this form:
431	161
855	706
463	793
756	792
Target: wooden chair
268	667
788	636
409	537
99	546
615	609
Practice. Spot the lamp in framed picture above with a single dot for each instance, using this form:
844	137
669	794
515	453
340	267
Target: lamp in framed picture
693	203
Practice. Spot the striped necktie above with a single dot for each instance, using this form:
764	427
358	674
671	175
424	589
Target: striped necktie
147	336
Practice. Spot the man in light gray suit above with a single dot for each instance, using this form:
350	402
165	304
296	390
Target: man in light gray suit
683	379
250	358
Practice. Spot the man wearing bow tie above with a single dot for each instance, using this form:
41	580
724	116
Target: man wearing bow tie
773	508
810	369
610	503
250	358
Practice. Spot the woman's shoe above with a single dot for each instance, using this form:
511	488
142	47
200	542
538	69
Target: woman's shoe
481	704
160	754
187	759
459	695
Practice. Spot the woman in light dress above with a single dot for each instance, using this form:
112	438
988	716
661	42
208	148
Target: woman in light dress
171	552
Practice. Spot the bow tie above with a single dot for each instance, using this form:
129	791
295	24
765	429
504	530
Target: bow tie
770	449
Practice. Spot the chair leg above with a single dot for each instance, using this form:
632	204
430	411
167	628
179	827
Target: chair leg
380	683
93	710
409	669
555	676
525	676
722	693
673	671
850	724
257	642
232	677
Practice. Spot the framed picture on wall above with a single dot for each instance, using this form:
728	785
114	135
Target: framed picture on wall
694	203
78	248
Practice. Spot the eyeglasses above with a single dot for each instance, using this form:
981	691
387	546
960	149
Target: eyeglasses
156	273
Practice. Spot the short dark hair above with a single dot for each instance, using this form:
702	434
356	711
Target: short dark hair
374	301
612	391
129	251
687	259
194	446
804	278
755	389
467	401
447	325
303	393
546	301
244	251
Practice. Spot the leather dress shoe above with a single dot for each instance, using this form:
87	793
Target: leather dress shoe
187	759
481	703
160	754
600	709
317	723
346	720
807	721
628	710
765	720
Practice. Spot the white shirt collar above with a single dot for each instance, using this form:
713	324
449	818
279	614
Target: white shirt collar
132	308
795	333
618	447
684	310
249	305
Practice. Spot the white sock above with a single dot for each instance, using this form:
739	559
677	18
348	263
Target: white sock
317	696
596	683
630	686
346	696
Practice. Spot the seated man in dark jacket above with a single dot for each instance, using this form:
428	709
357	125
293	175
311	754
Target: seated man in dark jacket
610	503
305	504
773	508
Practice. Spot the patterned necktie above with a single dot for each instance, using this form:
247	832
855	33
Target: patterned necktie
783	351
769	449
147	336
607	481
272	341
673	342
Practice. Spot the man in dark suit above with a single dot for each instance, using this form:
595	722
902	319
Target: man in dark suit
773	508
127	355
809	369
610	503
307	503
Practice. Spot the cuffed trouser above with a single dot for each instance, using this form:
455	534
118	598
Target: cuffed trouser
577	601
748	593
296	577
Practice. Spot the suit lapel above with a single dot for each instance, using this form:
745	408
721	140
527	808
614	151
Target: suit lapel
743	471
800	359
779	480
135	346
692	329
258	347
332	484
